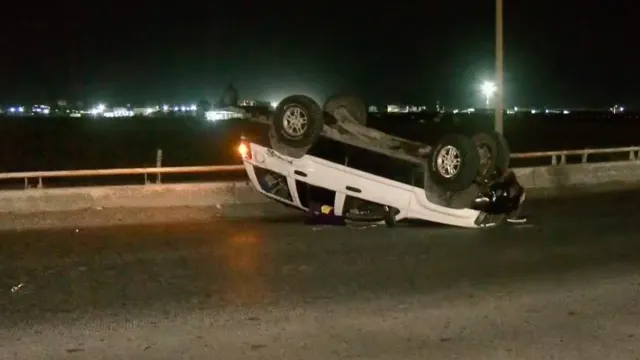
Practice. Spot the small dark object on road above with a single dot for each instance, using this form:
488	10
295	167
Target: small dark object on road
320	214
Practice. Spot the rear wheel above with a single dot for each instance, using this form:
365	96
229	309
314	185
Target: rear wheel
295	125
454	162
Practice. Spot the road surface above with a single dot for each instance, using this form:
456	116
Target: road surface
566	286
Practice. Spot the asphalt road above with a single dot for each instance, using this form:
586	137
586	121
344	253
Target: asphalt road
565	286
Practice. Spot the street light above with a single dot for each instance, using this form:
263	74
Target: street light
498	122
488	89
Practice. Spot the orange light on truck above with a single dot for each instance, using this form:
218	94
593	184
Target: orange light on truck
244	150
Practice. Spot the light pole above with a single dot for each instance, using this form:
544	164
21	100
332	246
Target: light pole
498	123
488	88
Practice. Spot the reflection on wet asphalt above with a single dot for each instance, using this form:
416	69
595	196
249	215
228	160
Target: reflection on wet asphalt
164	272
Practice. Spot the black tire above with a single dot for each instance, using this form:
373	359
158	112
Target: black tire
353	104
306	108
466	172
494	152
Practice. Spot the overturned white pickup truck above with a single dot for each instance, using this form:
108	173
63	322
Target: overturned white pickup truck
327	158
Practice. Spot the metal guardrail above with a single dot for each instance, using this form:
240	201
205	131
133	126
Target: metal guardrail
124	171
560	157
557	158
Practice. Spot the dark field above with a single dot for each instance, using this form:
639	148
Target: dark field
528	132
85	143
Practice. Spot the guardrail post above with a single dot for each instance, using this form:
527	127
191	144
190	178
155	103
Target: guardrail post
563	159
554	161
584	157
26	183
632	155
40	182
158	165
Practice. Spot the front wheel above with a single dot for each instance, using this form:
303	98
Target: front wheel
295	125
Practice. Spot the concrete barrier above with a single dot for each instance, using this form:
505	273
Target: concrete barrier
129	196
558	177
552	178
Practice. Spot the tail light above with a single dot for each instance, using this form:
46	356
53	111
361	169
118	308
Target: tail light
245	150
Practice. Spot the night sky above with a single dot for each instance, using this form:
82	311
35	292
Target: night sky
557	53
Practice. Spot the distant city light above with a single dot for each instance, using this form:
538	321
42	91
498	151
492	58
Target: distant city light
99	109
617	109
488	89
118	112
42	109
216	115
